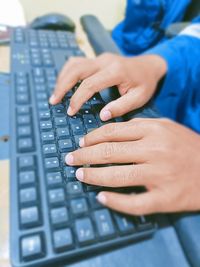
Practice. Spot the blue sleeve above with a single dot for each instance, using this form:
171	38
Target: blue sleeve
179	97
182	55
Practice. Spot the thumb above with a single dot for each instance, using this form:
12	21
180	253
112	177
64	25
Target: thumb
133	99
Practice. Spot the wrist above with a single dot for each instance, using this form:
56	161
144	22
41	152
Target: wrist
157	65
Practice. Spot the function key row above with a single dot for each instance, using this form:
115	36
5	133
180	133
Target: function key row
52	39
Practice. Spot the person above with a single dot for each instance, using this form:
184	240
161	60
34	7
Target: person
160	154
145	23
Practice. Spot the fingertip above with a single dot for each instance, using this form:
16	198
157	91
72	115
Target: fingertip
53	99
101	197
82	142
70	111
105	114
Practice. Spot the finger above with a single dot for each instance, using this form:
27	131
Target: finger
119	131
133	99
135	204
117	176
124	152
97	82
71	63
69	78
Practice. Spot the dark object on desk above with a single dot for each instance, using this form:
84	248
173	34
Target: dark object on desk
96	33
53	21
4	34
54	217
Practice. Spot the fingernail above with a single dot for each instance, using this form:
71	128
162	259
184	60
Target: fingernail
69	111
101	198
69	159
52	99
105	115
80	174
82	142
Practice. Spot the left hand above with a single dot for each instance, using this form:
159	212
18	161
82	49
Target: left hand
166	161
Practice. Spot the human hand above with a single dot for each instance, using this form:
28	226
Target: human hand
166	161
136	79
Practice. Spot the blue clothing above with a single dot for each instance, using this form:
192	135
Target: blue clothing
136	33
179	97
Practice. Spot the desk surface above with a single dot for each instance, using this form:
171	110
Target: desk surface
163	249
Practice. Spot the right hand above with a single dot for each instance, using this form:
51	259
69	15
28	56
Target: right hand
136	79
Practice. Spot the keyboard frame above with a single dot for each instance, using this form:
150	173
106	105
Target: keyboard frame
15	232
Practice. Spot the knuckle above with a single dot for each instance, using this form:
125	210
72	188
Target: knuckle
134	174
109	130
88	84
157	126
119	177
109	149
137	208
116	66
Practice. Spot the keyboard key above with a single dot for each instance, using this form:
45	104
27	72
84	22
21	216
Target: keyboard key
46	125
78	129
90	121
77	139
84	230
27	177
39	80
22	110
74	188
62	239
28	196
48	137
22	99
23	120
104	223
59	216
29	217
54	178
56	196
25	145
94	203
24	131
22	89
60	121
62	133
21	80
38	72
79	206
44	115
143	223
52	163
26	162
40	88
43	105
124	223
49	150
32	247
70	173
65	145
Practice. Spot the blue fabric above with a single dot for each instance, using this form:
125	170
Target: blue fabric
136	33
179	97
187	228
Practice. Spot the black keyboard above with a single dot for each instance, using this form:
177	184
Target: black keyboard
54	217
